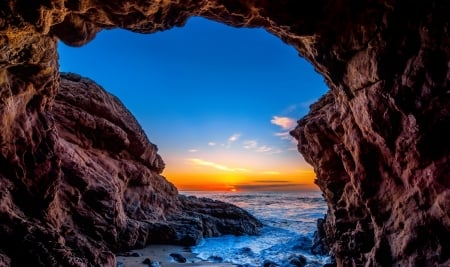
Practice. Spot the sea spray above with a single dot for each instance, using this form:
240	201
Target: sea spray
290	222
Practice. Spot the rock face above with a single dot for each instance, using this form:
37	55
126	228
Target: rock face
110	195
380	148
378	140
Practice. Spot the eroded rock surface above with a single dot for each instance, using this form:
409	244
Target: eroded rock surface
378	140
111	195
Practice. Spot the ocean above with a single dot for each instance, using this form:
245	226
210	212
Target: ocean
289	218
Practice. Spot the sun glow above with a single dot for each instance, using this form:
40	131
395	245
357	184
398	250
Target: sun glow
232	188
249	181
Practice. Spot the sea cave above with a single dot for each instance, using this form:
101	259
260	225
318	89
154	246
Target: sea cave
378	140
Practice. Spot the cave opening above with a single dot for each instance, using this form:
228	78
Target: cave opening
218	101
385	62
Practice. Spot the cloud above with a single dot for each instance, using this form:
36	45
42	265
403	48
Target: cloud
234	138
277	151
287	136
253	145
250	144
264	148
217	166
299	107
193	150
285	123
212	144
284	135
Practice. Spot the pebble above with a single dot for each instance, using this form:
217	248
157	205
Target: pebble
135	254
178	257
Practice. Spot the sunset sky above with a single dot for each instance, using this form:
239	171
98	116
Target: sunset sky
217	101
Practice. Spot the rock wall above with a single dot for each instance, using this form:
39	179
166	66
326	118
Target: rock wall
378	140
379	144
108	194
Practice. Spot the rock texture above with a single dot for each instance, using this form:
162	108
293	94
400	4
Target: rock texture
109	196
378	140
380	148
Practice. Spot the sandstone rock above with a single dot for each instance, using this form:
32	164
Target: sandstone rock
110	195
218	218
95	123
378	140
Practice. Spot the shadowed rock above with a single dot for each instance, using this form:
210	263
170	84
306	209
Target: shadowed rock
319	245
111	195
378	140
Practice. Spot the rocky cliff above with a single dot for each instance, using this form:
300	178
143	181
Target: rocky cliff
108	192
378	140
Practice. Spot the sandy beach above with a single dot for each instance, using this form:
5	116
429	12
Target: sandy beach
161	254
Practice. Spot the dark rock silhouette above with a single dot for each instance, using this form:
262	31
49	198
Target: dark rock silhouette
178	257
378	140
320	245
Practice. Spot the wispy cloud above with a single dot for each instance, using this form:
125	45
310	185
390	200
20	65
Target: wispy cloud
287	136
253	145
212	143
264	148
299	107
200	162
233	139
250	144
193	150
283	135
285	123
276	151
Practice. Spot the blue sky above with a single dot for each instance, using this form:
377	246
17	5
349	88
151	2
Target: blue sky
216	100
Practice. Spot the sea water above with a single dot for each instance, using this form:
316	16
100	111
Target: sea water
289	218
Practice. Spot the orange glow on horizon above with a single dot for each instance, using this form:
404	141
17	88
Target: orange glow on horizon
235	182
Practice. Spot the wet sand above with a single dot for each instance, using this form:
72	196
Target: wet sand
161	254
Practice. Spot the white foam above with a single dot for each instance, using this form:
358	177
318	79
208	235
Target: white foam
290	220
